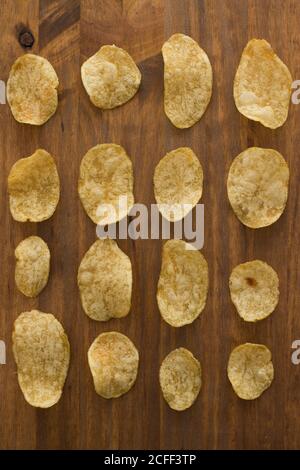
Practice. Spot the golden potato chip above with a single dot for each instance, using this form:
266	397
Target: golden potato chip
105	183
33	186
183	283
178	182
257	186
262	85
250	370
105	281
32	266
180	379
187	80
254	290
42	353
114	361
110	77
32	89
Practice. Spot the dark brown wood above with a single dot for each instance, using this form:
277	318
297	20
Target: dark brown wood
67	32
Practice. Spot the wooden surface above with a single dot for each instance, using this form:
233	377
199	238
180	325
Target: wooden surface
67	32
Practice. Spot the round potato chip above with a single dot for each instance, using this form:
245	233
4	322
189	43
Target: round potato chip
254	290
105	183
183	283
42	353
33	186
250	370
257	186
110	77
262	85
187	80
113	361
105	281
32	266
32	89
180	379
178	182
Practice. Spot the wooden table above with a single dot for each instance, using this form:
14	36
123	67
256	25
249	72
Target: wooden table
67	32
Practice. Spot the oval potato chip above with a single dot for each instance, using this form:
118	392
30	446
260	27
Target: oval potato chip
180	379
105	183
33	186
262	85
32	266
254	290
105	281
183	283
32	89
257	186
113	361
187	80
110	77
42	353
178	183
250	370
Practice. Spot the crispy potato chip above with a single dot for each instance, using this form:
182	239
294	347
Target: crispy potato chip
114	361
262	85
105	183
178	182
32	266
257	186
254	290
110	77
250	370
42	353
180	379
105	281
187	80
33	186
32	89
183	283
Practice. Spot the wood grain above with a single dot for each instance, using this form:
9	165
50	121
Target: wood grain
67	32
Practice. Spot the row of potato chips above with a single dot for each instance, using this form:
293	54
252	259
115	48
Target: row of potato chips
262	84
257	185
105	281
42	354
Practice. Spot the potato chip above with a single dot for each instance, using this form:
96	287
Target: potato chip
114	361
187	80
105	281
183	283
180	379
257	186
33	186
254	290
32	90
105	183
42	353
178	182
250	370
110	77
262	85
32	266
